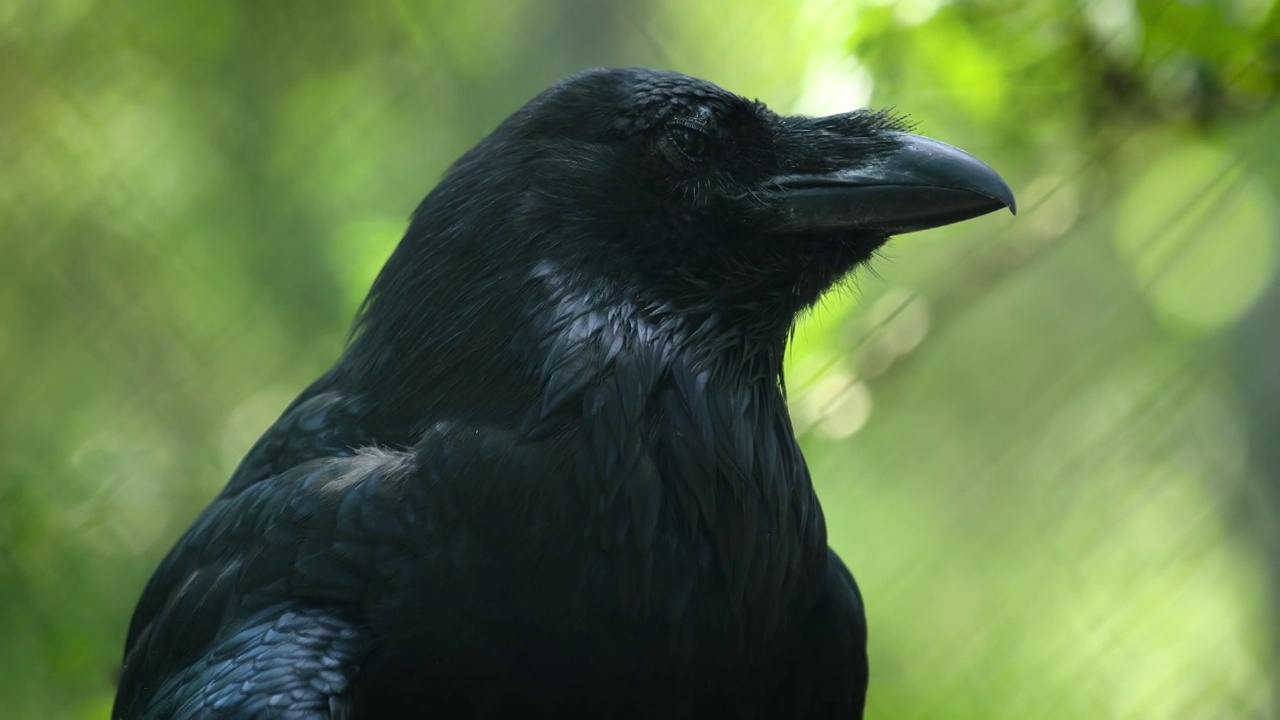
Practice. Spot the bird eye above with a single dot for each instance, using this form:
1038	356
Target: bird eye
691	142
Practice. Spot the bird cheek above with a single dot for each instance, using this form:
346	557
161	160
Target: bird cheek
685	217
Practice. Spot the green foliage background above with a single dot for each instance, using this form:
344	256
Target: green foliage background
1047	446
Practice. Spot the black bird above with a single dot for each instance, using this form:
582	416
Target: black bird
553	473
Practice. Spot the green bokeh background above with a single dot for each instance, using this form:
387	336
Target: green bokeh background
1048	447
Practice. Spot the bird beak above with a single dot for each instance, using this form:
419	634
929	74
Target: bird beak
922	184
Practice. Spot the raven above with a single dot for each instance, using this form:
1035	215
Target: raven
553	472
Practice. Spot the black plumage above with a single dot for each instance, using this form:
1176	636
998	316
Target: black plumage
553	473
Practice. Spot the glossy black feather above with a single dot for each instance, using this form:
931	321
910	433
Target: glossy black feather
553	474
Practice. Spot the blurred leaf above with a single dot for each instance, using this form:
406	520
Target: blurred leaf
1199	232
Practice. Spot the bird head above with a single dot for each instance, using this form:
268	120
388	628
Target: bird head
701	197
